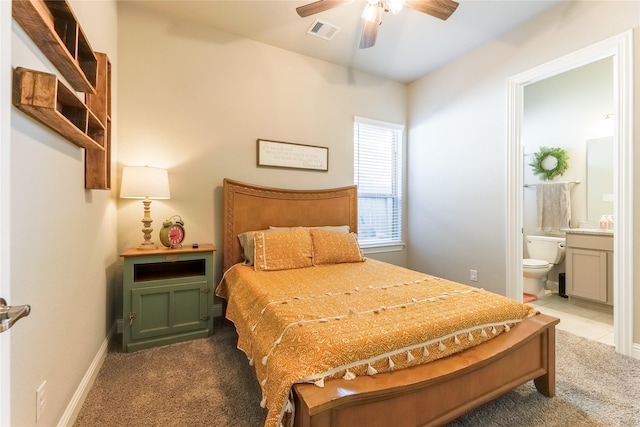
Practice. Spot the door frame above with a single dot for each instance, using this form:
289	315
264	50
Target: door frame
620	48
5	161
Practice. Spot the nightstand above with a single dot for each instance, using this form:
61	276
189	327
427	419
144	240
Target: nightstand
167	296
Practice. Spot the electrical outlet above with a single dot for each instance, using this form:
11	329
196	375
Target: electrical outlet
473	275
41	400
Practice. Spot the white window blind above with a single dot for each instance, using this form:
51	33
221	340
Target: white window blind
378	175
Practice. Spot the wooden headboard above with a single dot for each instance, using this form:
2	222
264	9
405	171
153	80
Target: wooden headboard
250	207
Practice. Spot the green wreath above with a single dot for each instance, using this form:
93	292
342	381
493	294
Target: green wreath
550	162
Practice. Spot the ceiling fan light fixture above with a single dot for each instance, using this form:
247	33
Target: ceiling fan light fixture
370	12
395	6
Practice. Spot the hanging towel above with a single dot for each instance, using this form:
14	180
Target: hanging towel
554	206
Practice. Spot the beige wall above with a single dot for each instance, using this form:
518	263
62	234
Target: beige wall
194	100
458	141
62	243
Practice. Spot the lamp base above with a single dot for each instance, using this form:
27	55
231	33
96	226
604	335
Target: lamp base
147	246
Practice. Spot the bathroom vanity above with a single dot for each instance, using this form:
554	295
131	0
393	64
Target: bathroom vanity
589	268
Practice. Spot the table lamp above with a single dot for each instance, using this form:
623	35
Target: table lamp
144	182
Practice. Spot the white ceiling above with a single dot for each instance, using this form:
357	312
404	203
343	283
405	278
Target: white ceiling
409	45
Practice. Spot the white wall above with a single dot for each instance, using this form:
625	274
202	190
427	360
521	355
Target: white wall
194	100
63	243
458	140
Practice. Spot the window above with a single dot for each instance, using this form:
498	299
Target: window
378	175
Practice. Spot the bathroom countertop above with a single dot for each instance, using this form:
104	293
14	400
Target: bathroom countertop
596	231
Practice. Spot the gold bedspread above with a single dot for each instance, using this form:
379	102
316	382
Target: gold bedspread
345	320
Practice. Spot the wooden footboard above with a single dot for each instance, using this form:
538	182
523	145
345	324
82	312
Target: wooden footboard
440	391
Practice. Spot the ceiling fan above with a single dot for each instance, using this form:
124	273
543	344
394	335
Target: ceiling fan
372	14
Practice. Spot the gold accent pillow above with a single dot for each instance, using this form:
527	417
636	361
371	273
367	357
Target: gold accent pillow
283	250
247	242
332	247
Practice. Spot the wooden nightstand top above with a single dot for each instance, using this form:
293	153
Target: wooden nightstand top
186	249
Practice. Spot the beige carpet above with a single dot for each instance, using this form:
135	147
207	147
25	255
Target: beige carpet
208	382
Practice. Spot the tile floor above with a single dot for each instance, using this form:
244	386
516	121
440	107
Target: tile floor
581	321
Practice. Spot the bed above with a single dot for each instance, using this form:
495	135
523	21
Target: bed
393	388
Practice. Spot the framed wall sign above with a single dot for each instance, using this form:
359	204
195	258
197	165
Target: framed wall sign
292	156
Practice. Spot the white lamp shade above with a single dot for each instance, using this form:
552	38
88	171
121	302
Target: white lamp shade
139	182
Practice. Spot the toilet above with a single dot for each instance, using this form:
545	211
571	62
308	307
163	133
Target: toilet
544	253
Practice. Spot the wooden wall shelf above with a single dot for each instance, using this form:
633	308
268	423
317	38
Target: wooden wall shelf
43	97
53	27
98	163
55	30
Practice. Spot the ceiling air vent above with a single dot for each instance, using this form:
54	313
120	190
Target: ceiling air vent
323	29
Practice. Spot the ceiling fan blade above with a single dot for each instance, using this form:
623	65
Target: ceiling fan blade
319	6
441	9
369	34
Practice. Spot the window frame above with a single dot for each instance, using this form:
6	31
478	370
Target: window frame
395	243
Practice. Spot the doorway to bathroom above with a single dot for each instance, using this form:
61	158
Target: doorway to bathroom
569	114
618	51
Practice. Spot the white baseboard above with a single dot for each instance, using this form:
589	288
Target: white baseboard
217	310
635	351
74	406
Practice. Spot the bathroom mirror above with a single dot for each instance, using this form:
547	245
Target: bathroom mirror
599	177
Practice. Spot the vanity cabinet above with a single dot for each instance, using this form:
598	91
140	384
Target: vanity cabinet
589	269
